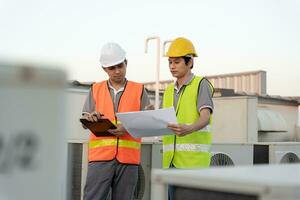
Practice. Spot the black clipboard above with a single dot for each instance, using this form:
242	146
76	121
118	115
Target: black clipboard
99	128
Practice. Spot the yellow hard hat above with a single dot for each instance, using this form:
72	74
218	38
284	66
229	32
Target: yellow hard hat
181	47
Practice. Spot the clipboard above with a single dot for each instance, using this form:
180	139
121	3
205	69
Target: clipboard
99	128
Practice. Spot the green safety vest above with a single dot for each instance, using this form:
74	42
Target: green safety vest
192	150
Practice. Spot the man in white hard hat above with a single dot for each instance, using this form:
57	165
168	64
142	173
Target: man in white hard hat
113	160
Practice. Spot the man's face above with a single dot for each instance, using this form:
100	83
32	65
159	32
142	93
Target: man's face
178	68
117	73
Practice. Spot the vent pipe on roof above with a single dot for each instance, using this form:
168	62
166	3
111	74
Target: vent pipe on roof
157	66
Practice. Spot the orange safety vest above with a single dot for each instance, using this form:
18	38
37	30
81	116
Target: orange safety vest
125	148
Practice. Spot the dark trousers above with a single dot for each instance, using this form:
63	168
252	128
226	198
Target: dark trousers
171	192
110	176
171	188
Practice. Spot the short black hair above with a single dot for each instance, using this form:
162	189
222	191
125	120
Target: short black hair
187	60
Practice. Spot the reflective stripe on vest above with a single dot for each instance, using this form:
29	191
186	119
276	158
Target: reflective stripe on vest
102	143
187	147
129	144
112	142
192	150
125	148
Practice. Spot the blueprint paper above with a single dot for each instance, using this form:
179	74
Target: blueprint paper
148	123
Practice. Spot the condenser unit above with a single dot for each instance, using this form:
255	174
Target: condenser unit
231	154
32	132
260	182
77	139
78	162
77	168
277	153
151	158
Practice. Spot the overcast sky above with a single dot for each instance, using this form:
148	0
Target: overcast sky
229	35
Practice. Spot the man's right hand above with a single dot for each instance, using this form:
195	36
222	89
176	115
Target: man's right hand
149	107
92	117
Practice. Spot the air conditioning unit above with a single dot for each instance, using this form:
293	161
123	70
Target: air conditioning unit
77	139
77	168
263	182
151	158
277	153
33	151
240	112
231	154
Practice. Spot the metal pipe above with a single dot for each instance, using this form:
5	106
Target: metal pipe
157	66
163	53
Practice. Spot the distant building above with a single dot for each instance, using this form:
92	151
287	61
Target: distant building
253	82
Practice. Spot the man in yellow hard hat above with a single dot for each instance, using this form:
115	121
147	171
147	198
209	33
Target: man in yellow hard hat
191	97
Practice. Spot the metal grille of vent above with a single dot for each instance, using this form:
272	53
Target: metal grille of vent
221	159
75	167
290	158
140	188
201	193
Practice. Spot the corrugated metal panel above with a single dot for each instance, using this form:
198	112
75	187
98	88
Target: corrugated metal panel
251	82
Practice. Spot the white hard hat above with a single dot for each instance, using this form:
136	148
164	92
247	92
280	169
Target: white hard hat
111	54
